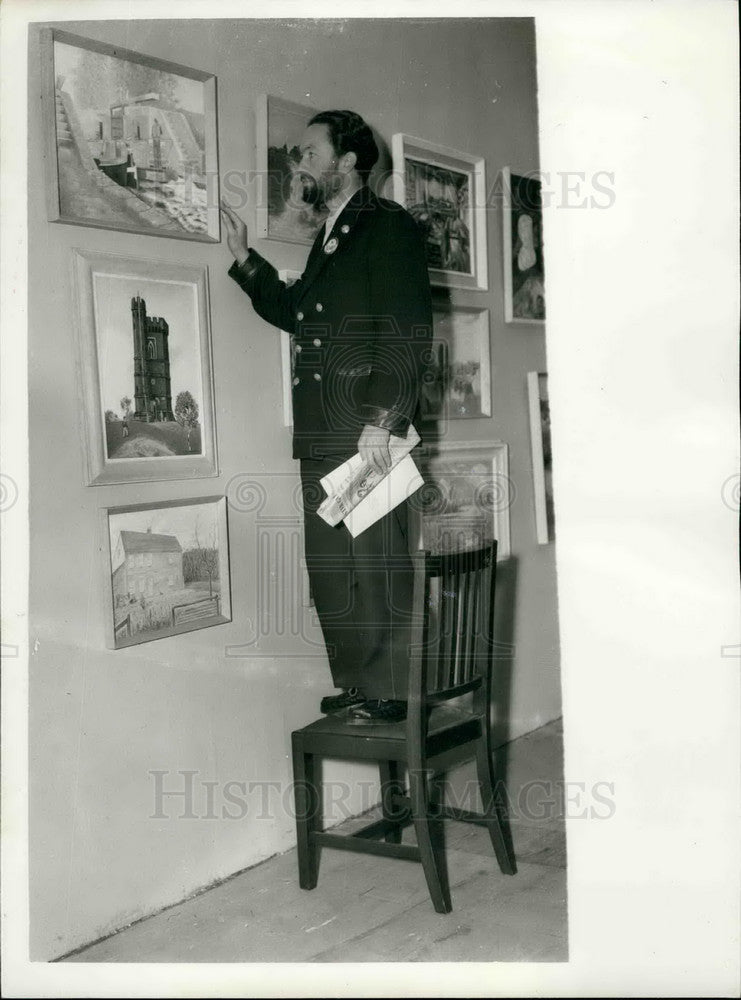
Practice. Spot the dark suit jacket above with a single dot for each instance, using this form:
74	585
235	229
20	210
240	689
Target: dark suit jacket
361	317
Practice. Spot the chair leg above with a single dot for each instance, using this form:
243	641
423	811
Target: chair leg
428	832
306	799
500	840
391	785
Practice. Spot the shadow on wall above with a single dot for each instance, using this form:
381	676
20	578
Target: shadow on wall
380	178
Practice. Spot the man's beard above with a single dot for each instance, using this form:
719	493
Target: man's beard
316	192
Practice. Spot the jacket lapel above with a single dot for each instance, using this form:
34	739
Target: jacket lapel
362	201
315	253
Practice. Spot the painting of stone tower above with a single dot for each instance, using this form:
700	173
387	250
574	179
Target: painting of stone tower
151	365
152	392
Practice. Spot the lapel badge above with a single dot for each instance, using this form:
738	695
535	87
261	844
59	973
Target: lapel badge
345	229
331	245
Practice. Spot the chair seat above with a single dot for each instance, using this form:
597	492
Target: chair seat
441	717
334	735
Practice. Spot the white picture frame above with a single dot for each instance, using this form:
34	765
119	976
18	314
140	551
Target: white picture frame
163	438
148	165
540	451
466	498
445	190
458	380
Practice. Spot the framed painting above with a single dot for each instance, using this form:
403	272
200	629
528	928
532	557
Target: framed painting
457	382
542	456
282	214
466	499
524	271
166	569
130	141
144	369
445	191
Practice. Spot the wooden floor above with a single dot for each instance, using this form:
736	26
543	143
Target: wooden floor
372	909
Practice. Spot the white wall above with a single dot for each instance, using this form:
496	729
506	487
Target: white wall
102	721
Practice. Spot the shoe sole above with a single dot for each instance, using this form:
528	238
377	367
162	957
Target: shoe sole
373	722
340	708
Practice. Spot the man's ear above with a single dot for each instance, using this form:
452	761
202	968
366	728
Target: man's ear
348	161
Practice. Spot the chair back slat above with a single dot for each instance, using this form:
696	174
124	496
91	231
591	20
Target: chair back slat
468	626
453	595
455	602
462	587
445	639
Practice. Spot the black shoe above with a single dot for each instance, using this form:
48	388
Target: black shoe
377	710
336	702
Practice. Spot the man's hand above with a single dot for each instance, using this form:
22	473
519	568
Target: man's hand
373	446
236	233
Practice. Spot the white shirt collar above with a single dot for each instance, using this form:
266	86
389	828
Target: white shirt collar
332	218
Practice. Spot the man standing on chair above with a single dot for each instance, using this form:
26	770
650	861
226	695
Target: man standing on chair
361	317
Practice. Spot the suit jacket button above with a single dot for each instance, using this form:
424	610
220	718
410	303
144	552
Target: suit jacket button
299	316
299	348
317	342
296	380
317	376
319	307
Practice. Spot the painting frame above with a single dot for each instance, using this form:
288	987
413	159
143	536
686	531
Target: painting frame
179	142
185	617
267	108
444	396
541	455
100	467
430	523
473	240
521	306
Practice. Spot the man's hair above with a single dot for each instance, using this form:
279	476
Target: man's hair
348	133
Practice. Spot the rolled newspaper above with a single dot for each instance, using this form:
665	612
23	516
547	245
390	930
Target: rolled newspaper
362	478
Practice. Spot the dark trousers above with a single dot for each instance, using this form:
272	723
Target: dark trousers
362	589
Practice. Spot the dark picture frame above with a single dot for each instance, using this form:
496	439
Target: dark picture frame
524	269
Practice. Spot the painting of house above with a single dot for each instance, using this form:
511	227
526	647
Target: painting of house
169	569
146	563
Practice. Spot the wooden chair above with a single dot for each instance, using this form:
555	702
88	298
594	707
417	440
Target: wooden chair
447	723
